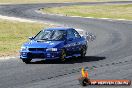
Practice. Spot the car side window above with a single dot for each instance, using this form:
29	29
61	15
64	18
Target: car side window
76	34
70	34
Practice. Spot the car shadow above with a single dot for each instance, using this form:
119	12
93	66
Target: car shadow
71	60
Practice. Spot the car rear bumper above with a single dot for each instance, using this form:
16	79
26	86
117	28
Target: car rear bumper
40	55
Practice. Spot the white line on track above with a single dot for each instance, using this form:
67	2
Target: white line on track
7	58
107	19
18	19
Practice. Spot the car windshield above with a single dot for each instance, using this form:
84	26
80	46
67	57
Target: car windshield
50	35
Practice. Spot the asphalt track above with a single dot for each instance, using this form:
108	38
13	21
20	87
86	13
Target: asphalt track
108	57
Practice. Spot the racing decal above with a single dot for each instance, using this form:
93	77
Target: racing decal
52	43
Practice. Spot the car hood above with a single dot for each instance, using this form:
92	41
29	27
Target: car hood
44	44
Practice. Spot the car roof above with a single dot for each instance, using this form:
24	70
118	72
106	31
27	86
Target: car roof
58	28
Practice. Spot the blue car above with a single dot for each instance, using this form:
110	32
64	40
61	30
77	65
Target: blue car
54	43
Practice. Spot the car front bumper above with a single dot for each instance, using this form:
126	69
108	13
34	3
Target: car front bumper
40	55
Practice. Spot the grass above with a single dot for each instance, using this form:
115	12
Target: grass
98	11
14	34
52	1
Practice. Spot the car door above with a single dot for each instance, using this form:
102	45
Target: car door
77	41
71	43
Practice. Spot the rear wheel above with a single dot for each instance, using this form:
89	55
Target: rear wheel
83	51
27	61
63	55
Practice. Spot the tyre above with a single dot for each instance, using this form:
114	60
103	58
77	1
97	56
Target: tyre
27	61
83	51
63	55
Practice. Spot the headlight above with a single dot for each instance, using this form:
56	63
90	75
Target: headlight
51	49
23	48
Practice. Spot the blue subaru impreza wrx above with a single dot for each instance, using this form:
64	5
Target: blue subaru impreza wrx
54	43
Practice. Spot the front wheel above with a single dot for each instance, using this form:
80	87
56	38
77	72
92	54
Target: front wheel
63	55
27	61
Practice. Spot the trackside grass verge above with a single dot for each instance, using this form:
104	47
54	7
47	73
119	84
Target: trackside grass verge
13	34
52	1
98	11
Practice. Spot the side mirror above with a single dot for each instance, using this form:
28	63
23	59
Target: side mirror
31	38
70	39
